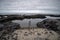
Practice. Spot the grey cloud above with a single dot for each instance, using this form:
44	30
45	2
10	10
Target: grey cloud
17	5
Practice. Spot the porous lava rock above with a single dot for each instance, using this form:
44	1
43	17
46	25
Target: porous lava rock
51	24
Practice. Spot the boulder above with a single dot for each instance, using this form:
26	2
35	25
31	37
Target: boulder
51	24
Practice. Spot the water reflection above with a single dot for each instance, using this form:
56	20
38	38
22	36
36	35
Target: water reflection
25	22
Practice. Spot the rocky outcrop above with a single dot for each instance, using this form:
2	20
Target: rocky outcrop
6	30
51	24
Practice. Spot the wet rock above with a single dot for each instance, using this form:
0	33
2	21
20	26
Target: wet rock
49	24
51	33
39	38
1	27
9	26
7	29
46	32
46	39
25	34
38	34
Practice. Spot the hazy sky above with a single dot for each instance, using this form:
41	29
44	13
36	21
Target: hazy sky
30	6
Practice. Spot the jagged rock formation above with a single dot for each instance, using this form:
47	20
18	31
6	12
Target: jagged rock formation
6	30
49	24
6	18
9	25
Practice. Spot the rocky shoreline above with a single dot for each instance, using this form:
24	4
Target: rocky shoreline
6	30
13	31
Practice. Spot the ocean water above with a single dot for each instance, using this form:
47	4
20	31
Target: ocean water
28	22
32	22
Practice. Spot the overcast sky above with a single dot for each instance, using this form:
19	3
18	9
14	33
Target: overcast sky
30	6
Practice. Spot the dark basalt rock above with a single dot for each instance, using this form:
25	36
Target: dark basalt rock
7	29
49	24
9	25
1	27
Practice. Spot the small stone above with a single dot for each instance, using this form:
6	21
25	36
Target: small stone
38	34
30	33
46	39
46	32
25	34
39	38
51	32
